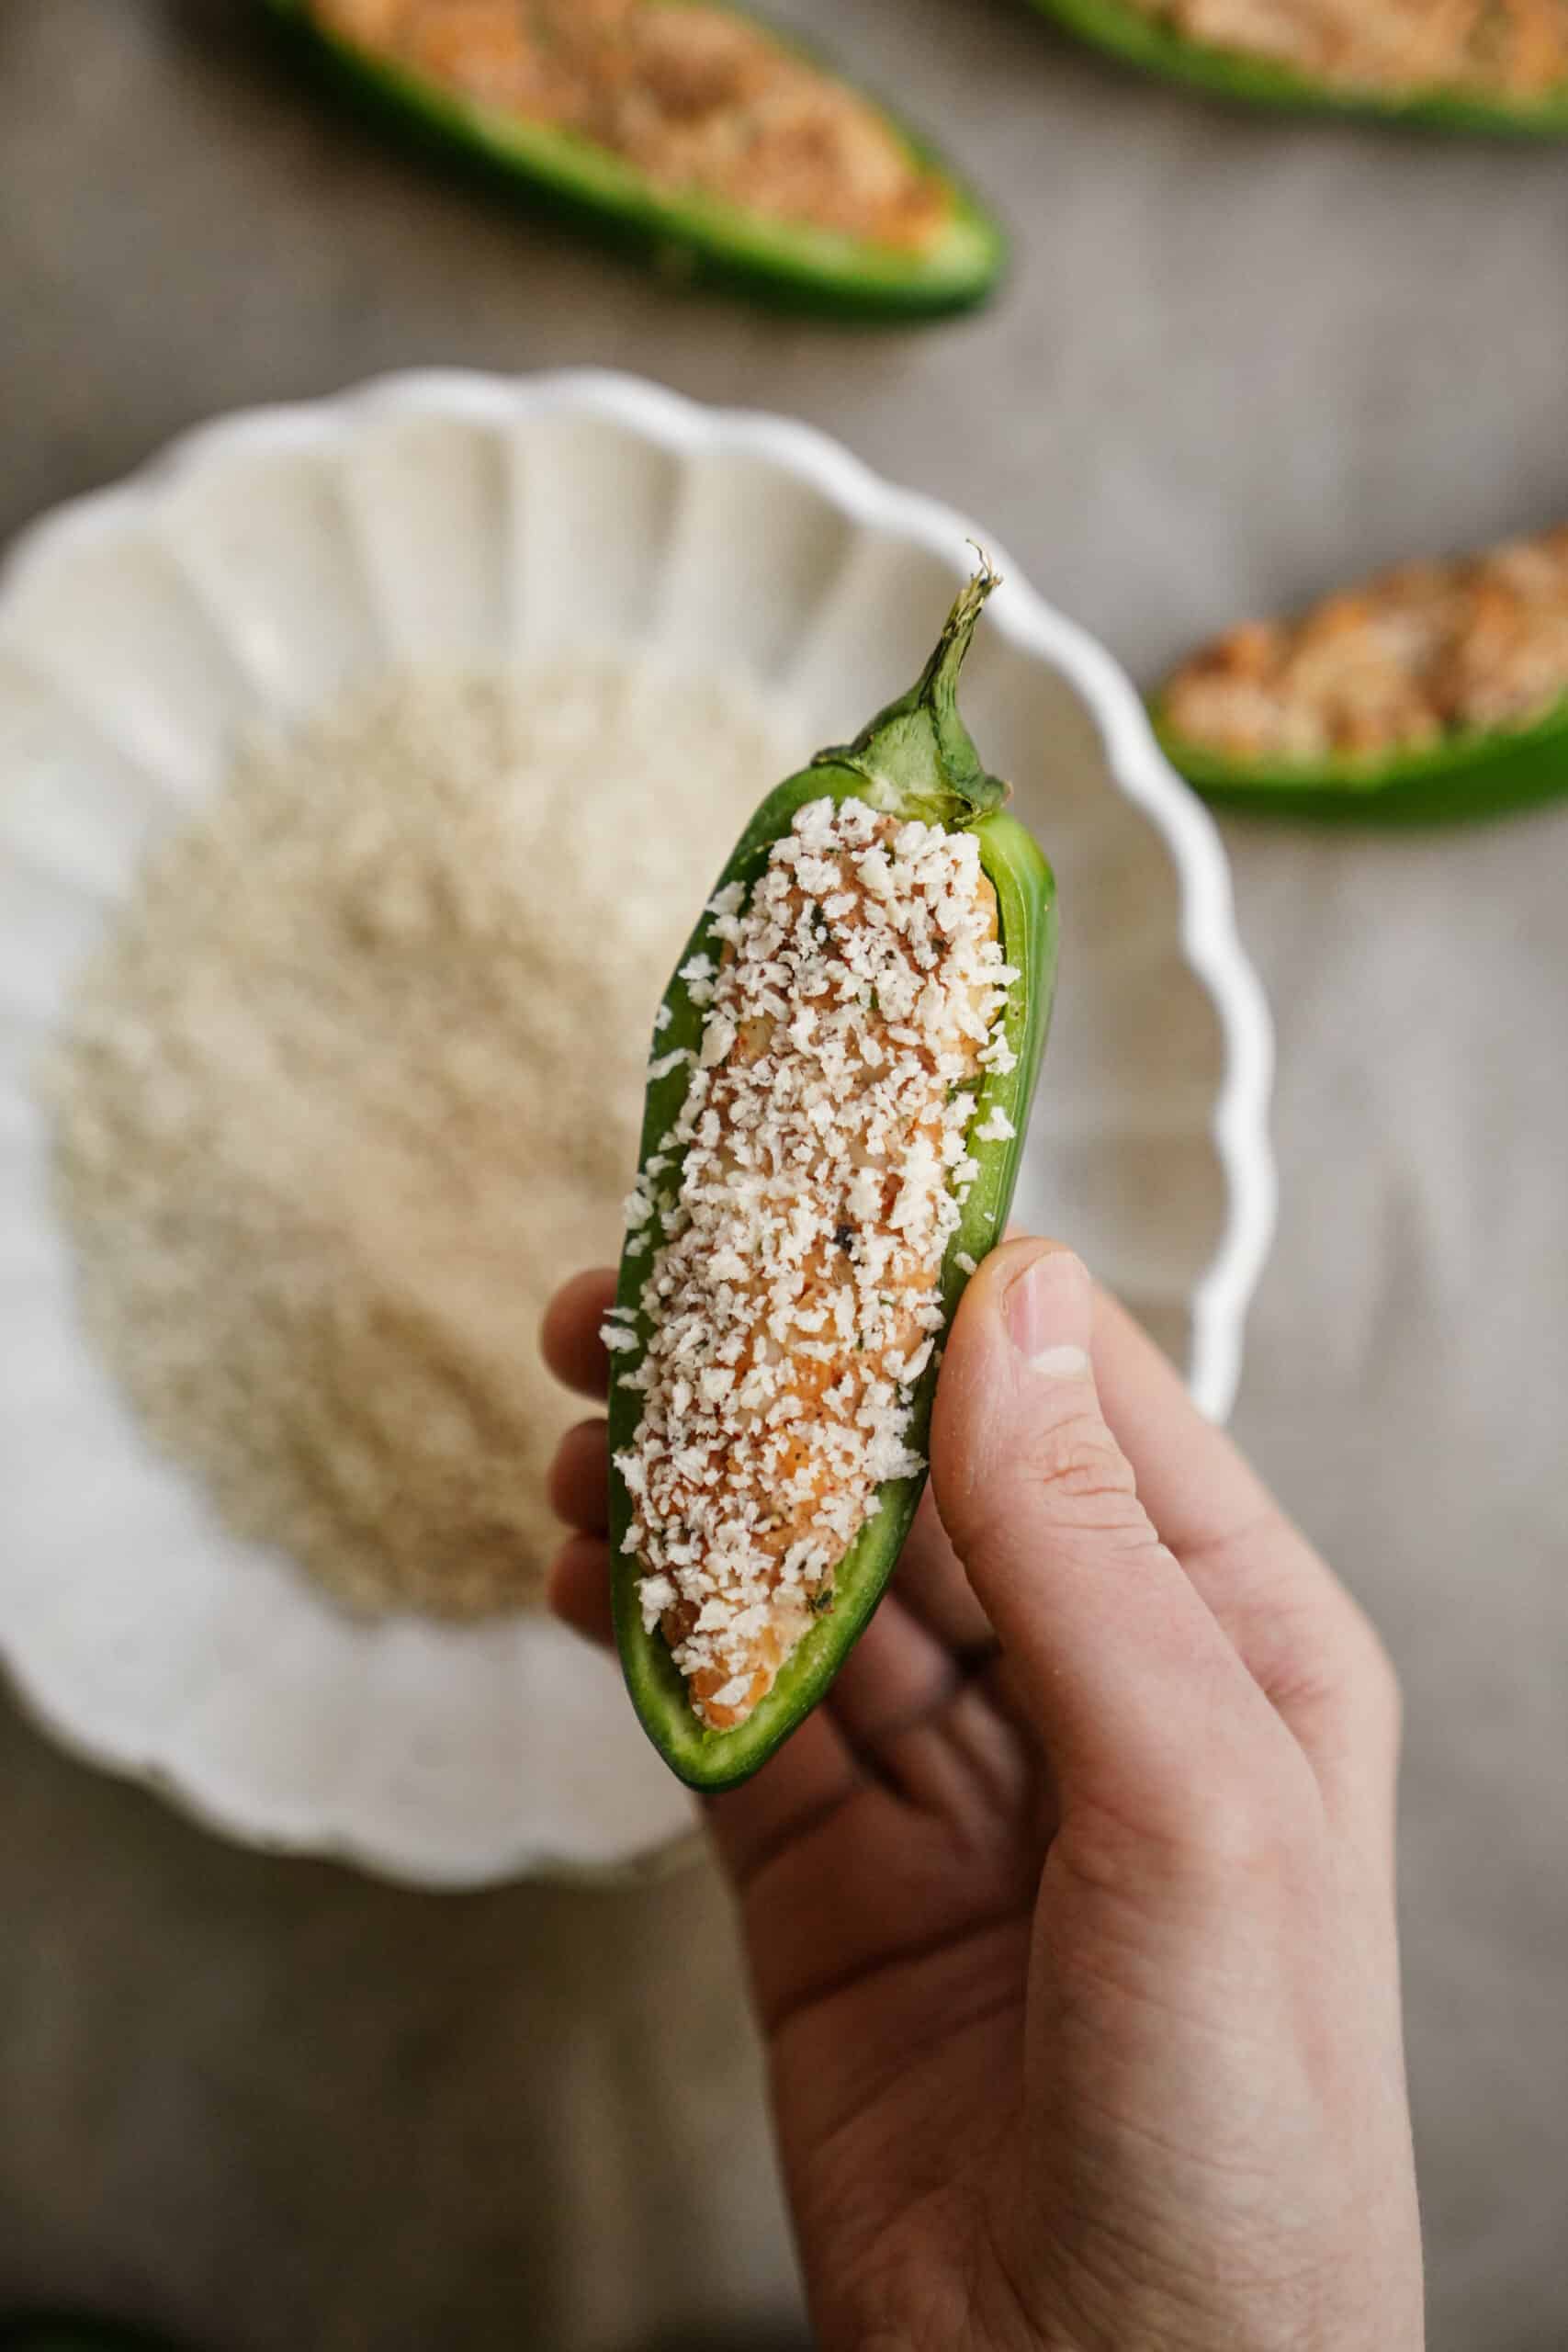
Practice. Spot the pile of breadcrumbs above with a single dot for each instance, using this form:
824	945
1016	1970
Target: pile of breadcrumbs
359	1076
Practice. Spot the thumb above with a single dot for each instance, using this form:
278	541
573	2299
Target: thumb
1130	1682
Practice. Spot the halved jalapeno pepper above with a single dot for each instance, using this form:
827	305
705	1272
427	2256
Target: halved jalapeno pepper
1433	691
681	128
921	816
1146	38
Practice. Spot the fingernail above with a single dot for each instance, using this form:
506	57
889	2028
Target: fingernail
1045	1310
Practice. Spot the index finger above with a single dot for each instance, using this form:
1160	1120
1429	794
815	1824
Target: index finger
568	1335
1301	1636
1194	1483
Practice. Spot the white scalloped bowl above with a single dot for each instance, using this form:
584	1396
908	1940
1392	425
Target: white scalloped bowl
438	517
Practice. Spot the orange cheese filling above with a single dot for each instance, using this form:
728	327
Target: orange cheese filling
1418	654
1510	48
699	100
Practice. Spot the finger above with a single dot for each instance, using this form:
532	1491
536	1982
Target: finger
897	1674
757	1823
579	1482
1298	1631
568	1335
578	1589
932	1727
932	1586
1195	1485
1142	1703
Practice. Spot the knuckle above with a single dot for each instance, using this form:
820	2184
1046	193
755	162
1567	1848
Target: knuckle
1083	1475
1376	1679
1257	1829
1346	1671
1227	1834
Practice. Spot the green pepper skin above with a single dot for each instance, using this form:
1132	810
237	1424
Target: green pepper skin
915	760
1126	33
789	263
1471	776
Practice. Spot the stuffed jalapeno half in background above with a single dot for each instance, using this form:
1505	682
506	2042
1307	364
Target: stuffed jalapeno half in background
686	129
1433	692
1463	65
842	1075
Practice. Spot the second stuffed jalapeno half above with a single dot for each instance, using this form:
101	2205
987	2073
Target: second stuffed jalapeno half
1436	690
689	130
842	1077
1493	66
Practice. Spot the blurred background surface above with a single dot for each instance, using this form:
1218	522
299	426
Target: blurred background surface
1239	359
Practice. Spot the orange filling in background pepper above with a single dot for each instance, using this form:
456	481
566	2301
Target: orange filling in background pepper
1420	653
699	100
1512	48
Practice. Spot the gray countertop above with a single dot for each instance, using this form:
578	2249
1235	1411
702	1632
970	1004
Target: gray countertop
279	2106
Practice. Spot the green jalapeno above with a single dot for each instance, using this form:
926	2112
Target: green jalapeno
682	128
915	762
1435	690
1477	774
1140	38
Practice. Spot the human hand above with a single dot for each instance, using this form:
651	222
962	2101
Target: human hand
1070	1912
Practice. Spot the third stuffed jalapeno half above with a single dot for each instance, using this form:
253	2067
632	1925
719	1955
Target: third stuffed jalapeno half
1436	690
1497	66
688	129
841	1076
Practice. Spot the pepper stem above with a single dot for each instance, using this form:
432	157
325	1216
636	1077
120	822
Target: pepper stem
917	755
939	679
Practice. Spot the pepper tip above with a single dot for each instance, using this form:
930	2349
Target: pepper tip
988	577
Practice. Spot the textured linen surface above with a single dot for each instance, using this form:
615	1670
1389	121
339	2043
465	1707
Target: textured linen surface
1238	358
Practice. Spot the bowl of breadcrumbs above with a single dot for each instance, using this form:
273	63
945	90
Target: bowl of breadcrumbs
360	765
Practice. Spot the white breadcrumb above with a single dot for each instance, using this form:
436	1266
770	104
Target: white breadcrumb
793	1296
360	1071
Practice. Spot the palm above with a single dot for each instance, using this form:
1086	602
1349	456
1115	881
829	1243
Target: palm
888	1865
1121	2071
